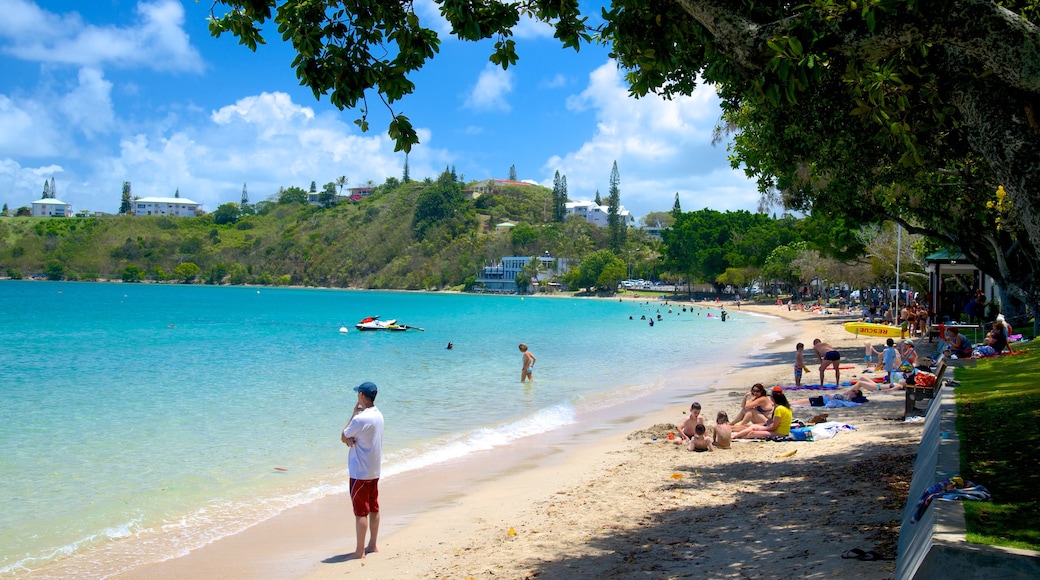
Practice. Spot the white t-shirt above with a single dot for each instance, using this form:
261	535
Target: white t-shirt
366	456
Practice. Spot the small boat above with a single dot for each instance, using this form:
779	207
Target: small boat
373	323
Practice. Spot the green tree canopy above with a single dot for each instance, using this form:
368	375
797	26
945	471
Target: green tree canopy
599	271
226	213
292	194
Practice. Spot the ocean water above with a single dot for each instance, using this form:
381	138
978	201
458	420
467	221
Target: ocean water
148	420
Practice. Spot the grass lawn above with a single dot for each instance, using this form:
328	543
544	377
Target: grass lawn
998	421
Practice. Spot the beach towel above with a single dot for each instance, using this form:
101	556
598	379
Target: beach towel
829	429
816	387
952	489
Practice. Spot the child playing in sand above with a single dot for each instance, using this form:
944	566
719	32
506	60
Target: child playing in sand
723	432
688	428
700	441
799	364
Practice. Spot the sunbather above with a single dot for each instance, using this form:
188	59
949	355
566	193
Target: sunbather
778	426
850	396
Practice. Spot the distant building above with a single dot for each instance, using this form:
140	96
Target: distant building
171	206
501	277
654	231
593	213
50	207
504	227
492	186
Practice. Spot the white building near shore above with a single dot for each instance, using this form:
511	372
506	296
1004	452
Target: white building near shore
593	213
171	206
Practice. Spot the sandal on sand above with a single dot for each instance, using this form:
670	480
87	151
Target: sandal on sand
868	556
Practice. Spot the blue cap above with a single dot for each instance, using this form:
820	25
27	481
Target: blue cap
368	389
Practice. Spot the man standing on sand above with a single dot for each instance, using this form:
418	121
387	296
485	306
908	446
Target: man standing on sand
526	372
828	356
364	435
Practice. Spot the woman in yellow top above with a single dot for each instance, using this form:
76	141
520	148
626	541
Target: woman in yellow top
778	426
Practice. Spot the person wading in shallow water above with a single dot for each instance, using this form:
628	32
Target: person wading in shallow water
526	372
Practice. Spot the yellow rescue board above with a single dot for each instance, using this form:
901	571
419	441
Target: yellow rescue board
874	330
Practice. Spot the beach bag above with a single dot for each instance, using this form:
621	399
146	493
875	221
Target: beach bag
802	434
924	379
816	402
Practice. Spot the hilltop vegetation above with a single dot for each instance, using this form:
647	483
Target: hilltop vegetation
416	235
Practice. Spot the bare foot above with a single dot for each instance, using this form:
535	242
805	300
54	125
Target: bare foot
359	555
372	548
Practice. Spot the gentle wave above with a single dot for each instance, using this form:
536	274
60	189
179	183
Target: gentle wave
543	421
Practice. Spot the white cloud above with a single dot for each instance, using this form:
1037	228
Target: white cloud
26	129
489	94
14	177
557	81
88	107
661	147
156	40
266	141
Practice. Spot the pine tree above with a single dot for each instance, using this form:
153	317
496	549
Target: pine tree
46	189
124	205
615	222
561	204
512	173
676	210
314	187
4	212
406	178
177	193
245	196
557	186
599	200
54	189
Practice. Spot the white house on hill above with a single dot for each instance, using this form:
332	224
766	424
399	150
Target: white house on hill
50	207
171	206
595	214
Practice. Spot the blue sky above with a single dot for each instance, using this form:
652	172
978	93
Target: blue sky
95	93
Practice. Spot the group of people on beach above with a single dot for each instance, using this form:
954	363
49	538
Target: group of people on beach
761	416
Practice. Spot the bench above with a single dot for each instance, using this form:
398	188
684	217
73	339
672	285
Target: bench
915	393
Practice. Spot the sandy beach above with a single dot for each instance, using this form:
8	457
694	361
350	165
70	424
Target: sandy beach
614	498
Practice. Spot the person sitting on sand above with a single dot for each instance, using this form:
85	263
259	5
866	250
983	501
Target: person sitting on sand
849	396
723	432
778	426
700	440
688	428
755	408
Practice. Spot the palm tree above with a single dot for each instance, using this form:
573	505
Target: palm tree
341	182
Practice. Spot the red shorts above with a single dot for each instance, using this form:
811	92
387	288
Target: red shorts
364	494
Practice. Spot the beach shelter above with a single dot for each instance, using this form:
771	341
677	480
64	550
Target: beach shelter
952	280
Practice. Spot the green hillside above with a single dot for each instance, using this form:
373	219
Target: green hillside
419	235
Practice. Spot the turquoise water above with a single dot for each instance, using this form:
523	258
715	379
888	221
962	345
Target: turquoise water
153	417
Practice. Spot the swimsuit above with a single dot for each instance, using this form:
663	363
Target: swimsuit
832	355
